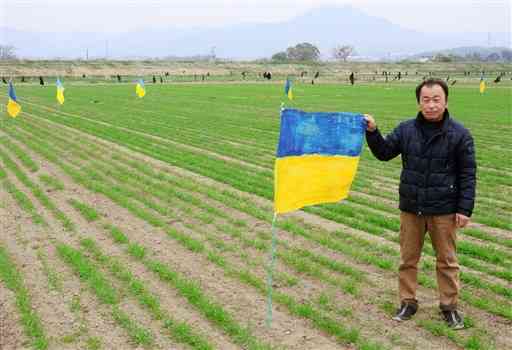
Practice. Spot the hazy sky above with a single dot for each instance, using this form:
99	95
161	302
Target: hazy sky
127	15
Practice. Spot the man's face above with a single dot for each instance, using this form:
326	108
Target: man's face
432	102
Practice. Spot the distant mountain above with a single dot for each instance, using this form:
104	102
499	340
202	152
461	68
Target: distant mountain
324	27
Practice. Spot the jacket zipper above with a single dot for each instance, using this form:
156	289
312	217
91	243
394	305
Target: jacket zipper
429	161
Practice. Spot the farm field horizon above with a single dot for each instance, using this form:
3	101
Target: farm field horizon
129	222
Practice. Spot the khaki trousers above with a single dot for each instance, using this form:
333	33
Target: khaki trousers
442	230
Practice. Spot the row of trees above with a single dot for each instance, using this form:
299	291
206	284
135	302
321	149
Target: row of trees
499	56
309	52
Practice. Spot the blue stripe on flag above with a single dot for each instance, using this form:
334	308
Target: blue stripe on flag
12	94
324	133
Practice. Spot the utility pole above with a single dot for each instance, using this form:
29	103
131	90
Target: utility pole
87	54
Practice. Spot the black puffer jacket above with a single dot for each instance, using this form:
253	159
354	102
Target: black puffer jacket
439	174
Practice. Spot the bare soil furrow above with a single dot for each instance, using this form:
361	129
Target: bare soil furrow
12	336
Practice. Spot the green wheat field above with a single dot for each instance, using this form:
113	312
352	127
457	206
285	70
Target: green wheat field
146	223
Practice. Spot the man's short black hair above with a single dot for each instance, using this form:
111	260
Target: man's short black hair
431	82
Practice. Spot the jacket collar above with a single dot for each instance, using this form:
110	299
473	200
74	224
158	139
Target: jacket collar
420	119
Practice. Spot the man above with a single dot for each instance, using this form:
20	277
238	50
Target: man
437	192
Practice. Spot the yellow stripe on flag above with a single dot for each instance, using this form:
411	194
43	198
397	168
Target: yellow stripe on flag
312	179
290	94
60	96
13	108
140	91
482	86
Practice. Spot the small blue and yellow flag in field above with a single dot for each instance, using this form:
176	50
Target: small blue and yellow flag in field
317	158
288	89
60	91
482	85
140	90
13	107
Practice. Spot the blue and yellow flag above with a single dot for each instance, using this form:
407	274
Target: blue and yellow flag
482	85
317	158
288	89
13	107
60	91
140	90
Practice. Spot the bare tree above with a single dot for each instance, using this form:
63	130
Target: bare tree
7	52
342	52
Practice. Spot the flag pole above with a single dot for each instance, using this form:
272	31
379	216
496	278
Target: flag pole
270	271
272	258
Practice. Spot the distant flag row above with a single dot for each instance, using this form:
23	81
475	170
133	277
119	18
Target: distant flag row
288	87
14	108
